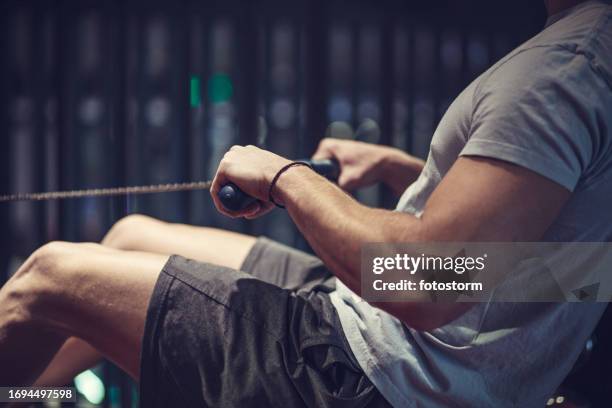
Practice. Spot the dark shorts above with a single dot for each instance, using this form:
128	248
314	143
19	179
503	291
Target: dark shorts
265	337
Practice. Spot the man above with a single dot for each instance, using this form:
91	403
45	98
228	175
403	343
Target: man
523	154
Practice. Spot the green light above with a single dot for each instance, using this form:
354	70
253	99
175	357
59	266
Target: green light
194	94
220	88
90	385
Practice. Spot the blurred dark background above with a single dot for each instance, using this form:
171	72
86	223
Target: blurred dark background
111	93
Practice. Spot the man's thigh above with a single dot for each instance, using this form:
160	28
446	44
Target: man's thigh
101	295
263	258
204	244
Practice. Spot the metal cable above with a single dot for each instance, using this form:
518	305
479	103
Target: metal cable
107	192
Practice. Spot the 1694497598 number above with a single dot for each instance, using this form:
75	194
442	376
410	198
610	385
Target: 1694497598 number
37	394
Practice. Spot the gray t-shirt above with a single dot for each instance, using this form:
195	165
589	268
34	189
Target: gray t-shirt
547	106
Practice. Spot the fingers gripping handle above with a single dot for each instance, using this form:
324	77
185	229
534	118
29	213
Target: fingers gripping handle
235	199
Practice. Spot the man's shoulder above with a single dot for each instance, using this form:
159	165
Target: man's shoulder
584	36
529	70
578	27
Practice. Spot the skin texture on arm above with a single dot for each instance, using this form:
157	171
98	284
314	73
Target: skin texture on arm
480	199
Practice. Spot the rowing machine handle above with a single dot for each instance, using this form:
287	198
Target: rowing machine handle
235	199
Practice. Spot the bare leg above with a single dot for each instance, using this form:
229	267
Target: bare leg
80	290
146	234
73	357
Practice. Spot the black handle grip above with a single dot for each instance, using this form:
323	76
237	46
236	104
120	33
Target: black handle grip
328	168
235	199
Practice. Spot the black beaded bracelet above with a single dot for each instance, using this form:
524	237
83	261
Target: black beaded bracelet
277	176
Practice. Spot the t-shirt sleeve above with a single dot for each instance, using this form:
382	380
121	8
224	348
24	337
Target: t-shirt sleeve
533	111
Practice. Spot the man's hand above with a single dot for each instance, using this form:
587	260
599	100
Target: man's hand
363	164
359	162
251	169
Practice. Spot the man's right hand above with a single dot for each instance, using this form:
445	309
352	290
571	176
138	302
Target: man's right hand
363	164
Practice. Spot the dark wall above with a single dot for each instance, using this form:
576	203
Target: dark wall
98	93
104	93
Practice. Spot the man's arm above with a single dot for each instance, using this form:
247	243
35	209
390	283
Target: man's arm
478	200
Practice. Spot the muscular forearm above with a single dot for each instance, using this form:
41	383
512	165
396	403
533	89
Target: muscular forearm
398	170
333	222
337	226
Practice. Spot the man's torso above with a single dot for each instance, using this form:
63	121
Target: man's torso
496	353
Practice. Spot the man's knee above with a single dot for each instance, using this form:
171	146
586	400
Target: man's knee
51	268
127	232
33	283
42	261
